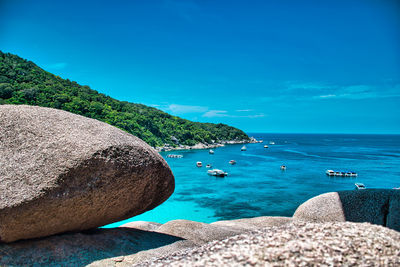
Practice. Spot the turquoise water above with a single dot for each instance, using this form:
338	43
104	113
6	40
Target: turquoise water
256	186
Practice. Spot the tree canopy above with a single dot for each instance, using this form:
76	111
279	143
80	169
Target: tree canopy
23	82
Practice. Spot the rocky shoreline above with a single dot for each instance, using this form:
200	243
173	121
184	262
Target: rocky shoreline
168	147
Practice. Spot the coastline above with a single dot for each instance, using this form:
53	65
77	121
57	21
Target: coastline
168	147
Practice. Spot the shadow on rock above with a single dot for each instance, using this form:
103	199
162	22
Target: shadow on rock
377	206
78	249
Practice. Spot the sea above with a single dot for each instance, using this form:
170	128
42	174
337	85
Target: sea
256	185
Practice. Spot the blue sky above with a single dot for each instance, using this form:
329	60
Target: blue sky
263	66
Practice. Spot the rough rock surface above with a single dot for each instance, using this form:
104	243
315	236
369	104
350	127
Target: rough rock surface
80	249
197	232
142	225
298	244
122	246
254	223
323	208
64	172
377	206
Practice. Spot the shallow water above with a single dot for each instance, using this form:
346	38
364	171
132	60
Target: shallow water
256	186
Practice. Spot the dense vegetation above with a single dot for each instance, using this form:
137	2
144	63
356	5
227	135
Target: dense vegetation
23	82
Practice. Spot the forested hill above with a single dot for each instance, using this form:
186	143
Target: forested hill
23	82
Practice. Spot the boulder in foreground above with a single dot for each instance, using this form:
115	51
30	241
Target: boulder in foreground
377	206
296	244
64	172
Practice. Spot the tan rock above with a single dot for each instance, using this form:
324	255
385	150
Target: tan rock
104	247
197	232
254	223
323	208
377	206
142	225
64	172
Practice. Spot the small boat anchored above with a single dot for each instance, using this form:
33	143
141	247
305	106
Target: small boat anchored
211	151
283	168
341	173
272	143
266	146
208	166
199	164
244	148
232	162
174	156
217	173
360	186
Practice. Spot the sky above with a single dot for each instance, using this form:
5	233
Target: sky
283	66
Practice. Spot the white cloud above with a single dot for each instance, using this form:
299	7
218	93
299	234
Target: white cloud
315	90
216	113
57	66
327	96
363	92
244	110
254	116
224	113
183	109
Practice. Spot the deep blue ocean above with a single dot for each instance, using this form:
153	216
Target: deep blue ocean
256	186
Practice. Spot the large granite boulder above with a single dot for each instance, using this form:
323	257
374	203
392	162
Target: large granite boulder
108	246
64	172
296	244
377	206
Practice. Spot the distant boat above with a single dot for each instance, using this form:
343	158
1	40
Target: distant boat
211	151
283	167
244	148
360	186
199	164
266	146
232	162
175	156
208	166
272	143
217	172
341	173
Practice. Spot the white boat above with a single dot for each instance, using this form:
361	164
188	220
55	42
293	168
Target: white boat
208	166
360	186
232	162
272	143
211	151
175	156
244	148
341	173
217	172
265	146
330	172
199	164
283	168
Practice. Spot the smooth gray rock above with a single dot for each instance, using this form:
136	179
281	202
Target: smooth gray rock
79	249
64	172
142	225
377	206
197	232
254	223
323	208
296	244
